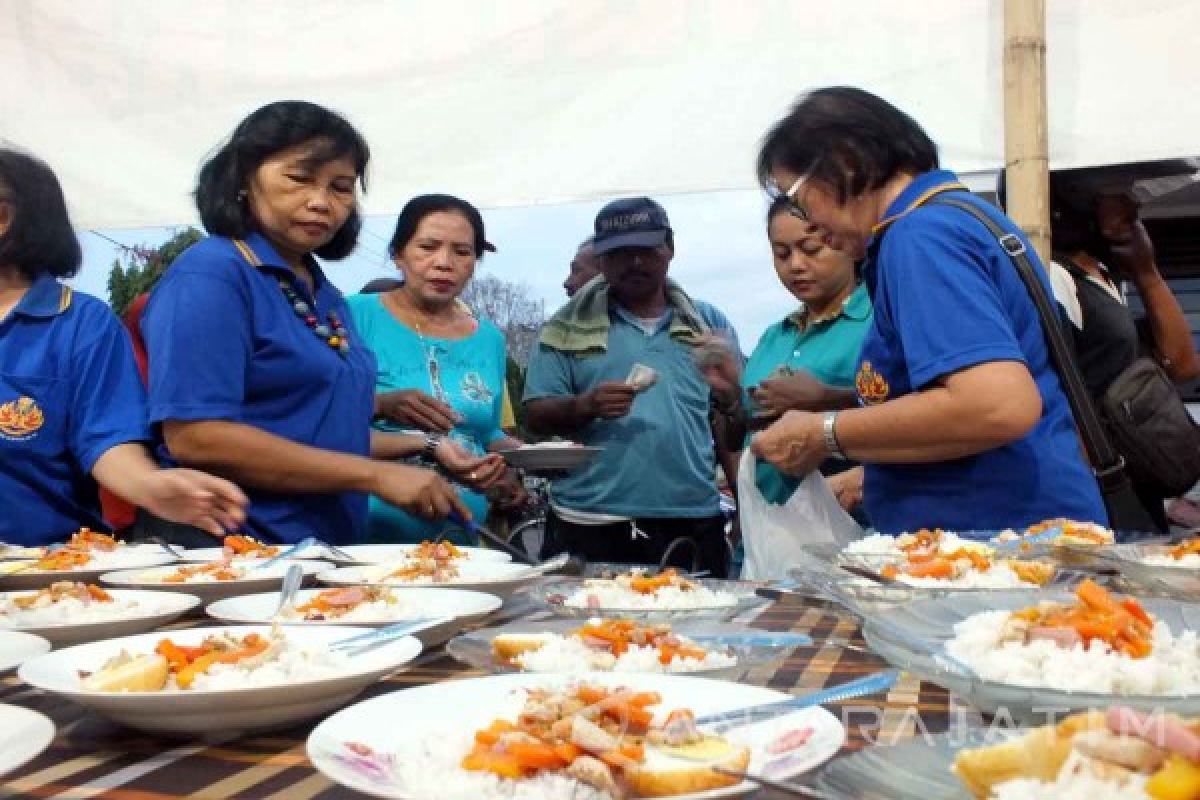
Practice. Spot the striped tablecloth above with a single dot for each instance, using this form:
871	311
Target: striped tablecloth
93	758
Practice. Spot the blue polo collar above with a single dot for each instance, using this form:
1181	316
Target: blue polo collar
46	298
271	260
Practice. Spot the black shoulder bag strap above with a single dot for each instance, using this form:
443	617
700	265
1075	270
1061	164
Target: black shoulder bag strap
1125	510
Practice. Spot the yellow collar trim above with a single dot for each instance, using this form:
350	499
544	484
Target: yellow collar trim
920	201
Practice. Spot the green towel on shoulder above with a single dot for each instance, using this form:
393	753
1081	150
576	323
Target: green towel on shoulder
581	326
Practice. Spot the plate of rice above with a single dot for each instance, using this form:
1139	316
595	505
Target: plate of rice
69	612
597	736
638	594
220	680
212	580
239	547
1172	569
83	557
390	553
367	606
1117	754
1029	650
614	645
494	577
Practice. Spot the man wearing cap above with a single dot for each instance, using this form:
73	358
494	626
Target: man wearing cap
652	484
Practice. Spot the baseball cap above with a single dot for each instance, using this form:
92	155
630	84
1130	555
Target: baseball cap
630	222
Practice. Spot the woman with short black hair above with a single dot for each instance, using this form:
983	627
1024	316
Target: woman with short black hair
72	408
255	369
965	425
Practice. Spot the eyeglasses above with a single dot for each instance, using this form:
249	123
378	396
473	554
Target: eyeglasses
794	206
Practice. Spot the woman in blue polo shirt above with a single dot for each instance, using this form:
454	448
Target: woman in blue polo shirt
256	371
965	425
806	361
72	408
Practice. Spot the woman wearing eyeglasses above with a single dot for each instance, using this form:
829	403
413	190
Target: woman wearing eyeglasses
963	423
256	371
427	340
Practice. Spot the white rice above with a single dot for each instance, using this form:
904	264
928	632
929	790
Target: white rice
123	557
878	544
569	654
431	768
1075	781
607	594
293	663
1000	576
1190	561
67	611
202	577
369	612
1172	668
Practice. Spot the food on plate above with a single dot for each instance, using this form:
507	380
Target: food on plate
608	645
61	603
221	661
88	539
937	559
638	590
240	546
428	562
348	604
924	540
606	739
1119	754
1184	554
85	549
212	572
1099	643
63	559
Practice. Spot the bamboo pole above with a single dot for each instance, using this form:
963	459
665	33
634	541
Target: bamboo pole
1025	127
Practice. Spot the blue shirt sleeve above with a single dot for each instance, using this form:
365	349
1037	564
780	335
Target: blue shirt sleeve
108	402
940	295
548	374
198	342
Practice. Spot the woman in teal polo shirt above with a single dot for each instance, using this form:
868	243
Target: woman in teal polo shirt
806	361
256	371
964	423
72	408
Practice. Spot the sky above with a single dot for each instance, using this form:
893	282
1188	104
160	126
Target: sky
721	253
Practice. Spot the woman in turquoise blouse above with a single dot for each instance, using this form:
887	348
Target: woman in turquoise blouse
807	360
425	339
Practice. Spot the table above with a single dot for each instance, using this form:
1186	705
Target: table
93	758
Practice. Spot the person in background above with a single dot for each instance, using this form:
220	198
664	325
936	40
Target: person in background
584	266
427	341
256	372
806	361
1089	234
964	424
653	483
72	407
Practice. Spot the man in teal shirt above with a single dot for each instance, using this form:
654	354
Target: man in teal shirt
654	481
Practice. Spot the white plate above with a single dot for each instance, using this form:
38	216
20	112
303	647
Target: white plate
131	557
260	580
9	552
196	554
227	711
24	734
465	606
387	553
447	717
16	648
493	577
153	610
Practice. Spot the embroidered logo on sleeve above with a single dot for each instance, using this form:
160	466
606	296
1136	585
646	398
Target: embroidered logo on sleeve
20	419
871	386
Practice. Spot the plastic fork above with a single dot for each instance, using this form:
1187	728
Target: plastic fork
299	546
365	641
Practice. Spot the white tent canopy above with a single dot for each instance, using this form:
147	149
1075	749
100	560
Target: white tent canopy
538	101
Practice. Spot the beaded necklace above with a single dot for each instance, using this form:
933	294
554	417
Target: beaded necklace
334	334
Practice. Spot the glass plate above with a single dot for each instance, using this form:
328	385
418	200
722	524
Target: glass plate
1181	582
554	594
475	648
916	769
549	459
931	623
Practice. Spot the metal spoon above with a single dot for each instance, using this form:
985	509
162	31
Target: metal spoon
291	584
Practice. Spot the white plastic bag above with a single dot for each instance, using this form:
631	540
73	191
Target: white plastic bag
774	535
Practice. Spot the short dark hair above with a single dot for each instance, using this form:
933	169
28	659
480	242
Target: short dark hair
422	206
40	239
267	131
779	205
848	140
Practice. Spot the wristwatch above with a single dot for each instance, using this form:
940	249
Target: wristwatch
432	440
830	433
